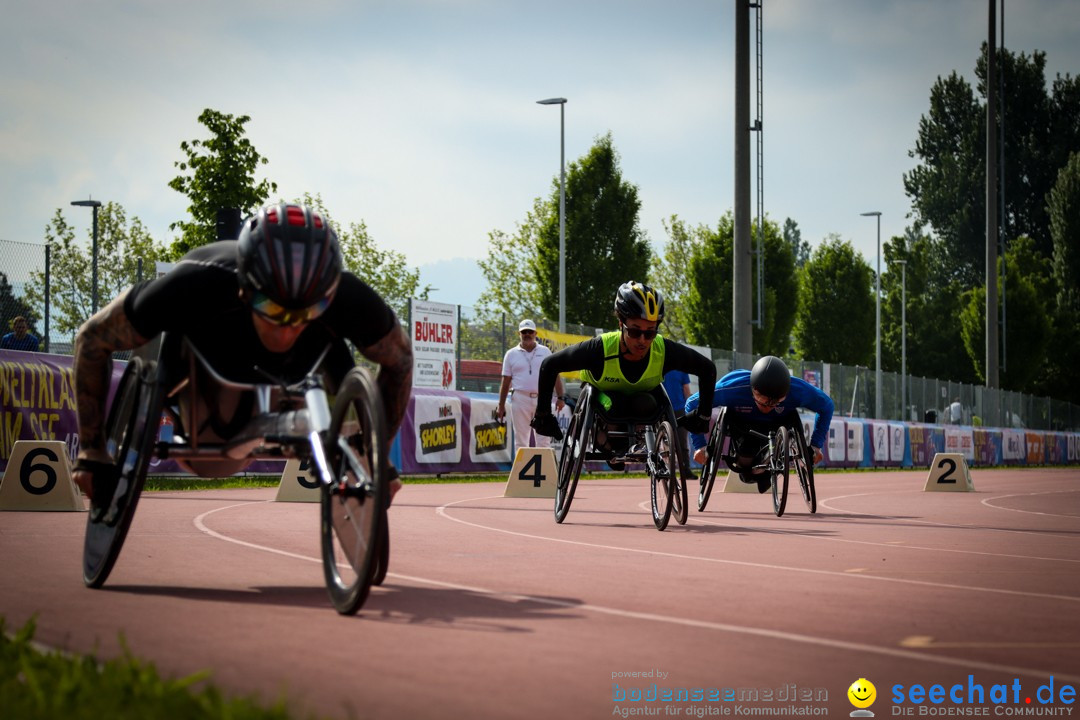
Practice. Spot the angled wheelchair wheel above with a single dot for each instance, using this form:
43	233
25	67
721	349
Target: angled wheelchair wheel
354	504
382	555
662	466
802	458
575	445
679	499
712	463
130	431
780	464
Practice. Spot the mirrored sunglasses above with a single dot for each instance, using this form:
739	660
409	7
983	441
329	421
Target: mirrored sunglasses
288	317
637	333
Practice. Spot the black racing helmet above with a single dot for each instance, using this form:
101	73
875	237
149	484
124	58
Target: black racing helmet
771	377
638	300
289	261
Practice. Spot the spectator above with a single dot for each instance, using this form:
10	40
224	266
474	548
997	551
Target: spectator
20	338
520	378
956	412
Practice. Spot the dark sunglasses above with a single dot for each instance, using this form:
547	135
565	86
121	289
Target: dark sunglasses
528	332
637	334
767	402
287	317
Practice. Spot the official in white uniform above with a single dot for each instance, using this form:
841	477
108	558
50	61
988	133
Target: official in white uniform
520	376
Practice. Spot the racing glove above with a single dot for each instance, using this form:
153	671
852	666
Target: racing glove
544	423
694	424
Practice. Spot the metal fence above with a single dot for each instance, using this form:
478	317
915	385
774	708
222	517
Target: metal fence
487	338
852	388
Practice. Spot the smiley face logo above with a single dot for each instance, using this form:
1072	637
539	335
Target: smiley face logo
862	693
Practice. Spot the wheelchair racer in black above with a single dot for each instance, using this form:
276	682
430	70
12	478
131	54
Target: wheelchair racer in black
762	399
265	305
627	366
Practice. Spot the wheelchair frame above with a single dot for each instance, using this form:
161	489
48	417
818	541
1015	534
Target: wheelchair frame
786	446
346	443
660	453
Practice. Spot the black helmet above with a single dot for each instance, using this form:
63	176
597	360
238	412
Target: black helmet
637	300
289	261
770	377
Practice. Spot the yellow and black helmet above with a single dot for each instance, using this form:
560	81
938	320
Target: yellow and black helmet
638	300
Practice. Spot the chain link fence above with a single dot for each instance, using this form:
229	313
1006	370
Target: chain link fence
484	340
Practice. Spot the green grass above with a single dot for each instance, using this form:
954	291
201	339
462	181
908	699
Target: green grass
37	684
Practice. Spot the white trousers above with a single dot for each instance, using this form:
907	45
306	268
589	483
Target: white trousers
522	408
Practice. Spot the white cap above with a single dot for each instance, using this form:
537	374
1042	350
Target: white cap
526	325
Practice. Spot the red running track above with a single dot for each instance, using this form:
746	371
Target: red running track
492	610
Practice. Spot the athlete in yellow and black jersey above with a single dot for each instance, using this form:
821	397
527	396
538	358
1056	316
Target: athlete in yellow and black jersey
628	362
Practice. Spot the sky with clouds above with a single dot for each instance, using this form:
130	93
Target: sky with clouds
419	117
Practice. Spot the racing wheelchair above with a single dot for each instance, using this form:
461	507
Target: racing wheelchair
345	444
784	447
651	438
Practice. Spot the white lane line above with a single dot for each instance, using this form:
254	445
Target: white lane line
890	544
667	619
988	502
745	563
825	504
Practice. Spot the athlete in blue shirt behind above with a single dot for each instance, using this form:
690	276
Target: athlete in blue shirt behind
763	399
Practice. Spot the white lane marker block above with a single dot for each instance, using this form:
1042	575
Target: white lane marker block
949	473
38	477
298	484
534	474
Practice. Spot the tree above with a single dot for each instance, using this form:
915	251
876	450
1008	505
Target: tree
605	246
1027	275
670	275
386	271
934	348
12	306
124	251
1059	379
708	312
218	173
947	187
509	269
800	249
835	318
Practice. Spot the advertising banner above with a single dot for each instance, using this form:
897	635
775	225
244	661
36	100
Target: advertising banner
434	343
436	425
987	446
960	439
491	440
1013	446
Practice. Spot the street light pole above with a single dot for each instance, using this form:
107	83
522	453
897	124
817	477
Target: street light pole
561	102
95	204
877	323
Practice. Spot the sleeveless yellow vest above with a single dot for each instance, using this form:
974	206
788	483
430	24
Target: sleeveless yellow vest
612	377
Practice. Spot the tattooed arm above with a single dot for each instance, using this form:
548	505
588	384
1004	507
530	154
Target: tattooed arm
394	356
107	331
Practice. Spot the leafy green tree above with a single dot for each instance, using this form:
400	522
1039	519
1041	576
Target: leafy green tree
12	306
605	245
947	187
670	275
836	310
935	348
708	302
1027	275
218	173
800	249
509	269
386	271
126	254
1064	209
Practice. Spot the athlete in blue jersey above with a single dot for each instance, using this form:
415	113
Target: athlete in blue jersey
763	399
